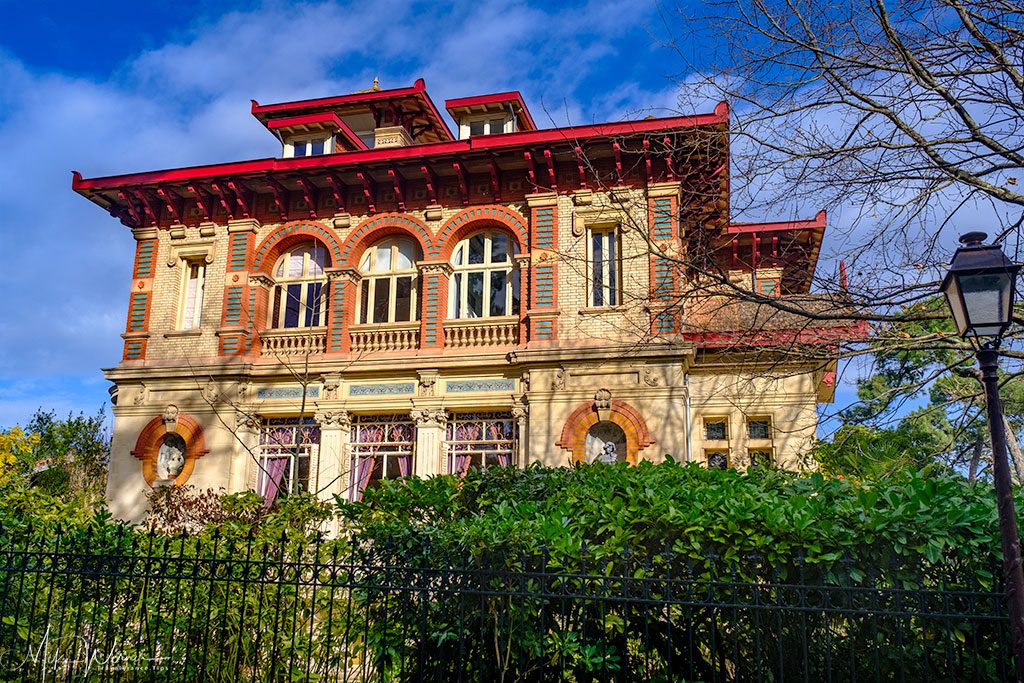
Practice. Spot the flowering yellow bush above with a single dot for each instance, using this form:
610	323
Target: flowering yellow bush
15	448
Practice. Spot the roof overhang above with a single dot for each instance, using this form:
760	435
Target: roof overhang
323	121
570	137
416	94
493	103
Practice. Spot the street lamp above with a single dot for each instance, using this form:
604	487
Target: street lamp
979	289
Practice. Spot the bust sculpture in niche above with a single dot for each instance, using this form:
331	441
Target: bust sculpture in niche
170	458
606	442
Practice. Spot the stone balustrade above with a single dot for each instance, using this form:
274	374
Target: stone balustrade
470	332
297	341
385	337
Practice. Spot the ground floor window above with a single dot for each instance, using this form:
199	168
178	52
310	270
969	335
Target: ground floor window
717	459
287	447
479	440
761	457
382	448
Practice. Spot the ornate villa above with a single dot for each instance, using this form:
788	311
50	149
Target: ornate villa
393	296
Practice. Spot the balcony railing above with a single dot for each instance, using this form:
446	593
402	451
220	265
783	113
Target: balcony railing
297	341
471	332
385	336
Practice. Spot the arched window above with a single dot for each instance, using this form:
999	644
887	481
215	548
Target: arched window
388	288
300	297
484	282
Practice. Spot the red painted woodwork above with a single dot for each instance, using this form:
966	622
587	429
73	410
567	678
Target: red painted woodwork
512	98
399	184
309	193
369	190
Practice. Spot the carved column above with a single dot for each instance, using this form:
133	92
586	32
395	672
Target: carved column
522	264
332	475
241	474
344	287
262	287
520	413
434	307
430	424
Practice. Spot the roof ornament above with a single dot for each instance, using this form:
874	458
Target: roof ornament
376	84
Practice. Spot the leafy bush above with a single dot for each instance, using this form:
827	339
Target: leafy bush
687	510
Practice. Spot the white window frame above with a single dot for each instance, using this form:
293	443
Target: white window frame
458	284
482	449
290	147
466	124
282	282
611	286
191	320
370	277
267	452
381	451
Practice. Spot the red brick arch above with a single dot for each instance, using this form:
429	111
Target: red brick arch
574	432
152	436
480	218
290	234
377	228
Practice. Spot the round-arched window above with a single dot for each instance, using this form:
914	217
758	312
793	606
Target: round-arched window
484	282
606	442
300	296
387	291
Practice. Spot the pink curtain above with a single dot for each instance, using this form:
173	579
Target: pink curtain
505	459
404	465
461	464
274	473
364	470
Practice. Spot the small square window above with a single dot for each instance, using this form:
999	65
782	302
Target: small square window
759	428
761	458
715	430
717	460
476	127
496	126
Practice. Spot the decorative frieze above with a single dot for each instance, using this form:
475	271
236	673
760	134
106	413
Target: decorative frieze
382	389
272	393
477	385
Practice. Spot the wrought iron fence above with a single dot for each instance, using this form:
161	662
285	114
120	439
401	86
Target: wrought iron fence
126	607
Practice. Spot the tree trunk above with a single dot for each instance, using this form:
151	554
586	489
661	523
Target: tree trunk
1016	459
972	472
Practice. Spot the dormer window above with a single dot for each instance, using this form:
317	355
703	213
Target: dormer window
307	147
489	126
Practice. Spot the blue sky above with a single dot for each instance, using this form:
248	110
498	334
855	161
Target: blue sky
115	87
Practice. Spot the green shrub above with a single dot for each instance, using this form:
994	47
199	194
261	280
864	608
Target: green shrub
685	510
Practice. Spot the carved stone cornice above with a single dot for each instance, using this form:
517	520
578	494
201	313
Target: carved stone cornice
520	411
344	274
336	419
170	417
429	417
434	268
248	422
331	385
262	280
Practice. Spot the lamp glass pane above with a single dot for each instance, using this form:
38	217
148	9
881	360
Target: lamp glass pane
956	305
986	301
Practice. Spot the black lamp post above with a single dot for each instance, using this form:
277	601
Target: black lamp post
979	289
